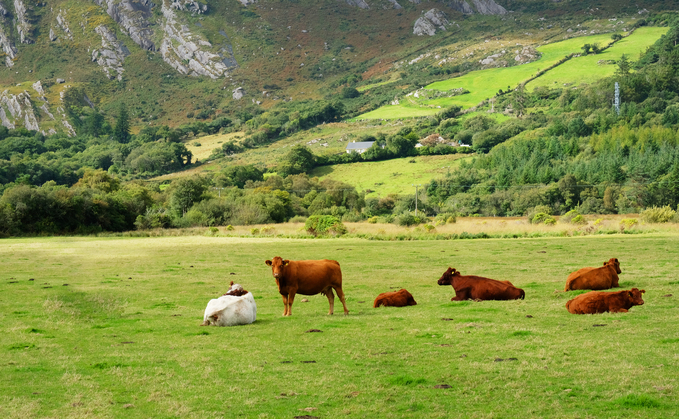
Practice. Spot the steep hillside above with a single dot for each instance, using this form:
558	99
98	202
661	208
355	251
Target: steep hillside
176	61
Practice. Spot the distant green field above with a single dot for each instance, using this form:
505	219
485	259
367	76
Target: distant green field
390	176
483	84
586	69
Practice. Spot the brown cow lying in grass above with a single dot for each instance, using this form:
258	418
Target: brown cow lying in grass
307	277
599	302
400	298
601	278
479	288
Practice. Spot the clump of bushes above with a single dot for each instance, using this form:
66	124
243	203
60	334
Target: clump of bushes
324	224
541	210
658	215
573	217
446	217
542	218
407	219
628	223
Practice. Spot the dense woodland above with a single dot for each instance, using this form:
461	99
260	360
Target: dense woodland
568	149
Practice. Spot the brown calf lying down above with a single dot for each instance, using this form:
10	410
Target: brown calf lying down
479	288
400	298
600	302
601	278
307	277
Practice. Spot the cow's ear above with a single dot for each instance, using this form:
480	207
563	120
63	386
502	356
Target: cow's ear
268	262
630	293
286	262
642	291
605	263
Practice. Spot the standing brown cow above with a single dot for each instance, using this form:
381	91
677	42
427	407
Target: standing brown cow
307	277
479	288
599	302
601	278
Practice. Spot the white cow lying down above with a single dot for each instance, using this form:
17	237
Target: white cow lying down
231	310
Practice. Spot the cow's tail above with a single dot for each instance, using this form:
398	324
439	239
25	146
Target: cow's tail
523	294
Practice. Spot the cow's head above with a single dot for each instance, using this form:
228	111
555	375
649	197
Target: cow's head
277	266
614	262
635	295
447	277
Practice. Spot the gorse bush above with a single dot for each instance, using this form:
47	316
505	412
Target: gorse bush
658	214
542	218
324	224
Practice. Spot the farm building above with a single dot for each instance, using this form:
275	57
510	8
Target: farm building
360	147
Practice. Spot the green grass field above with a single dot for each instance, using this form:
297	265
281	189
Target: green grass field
390	176
484	84
586	69
122	338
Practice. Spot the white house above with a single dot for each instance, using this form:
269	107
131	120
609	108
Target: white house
359	147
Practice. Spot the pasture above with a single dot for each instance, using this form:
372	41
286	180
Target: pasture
122	338
390	176
484	84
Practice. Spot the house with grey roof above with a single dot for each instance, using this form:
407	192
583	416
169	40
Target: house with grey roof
360	147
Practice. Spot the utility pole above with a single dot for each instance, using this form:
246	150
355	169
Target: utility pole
220	191
616	104
416	186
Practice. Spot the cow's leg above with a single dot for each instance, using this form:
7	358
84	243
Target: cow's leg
462	294
285	304
331	300
619	310
291	298
340	294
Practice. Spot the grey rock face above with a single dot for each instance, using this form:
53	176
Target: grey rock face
431	21
189	5
21	21
133	16
489	7
187	52
357	3
62	23
7	47
19	108
461	6
246	2
111	55
61	81
238	93
37	86
396	5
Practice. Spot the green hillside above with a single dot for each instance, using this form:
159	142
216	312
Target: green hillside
484	84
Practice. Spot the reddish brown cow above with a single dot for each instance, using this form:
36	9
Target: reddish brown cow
307	277
479	288
400	298
599	302
601	278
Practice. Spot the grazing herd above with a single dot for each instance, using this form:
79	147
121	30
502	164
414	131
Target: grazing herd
311	277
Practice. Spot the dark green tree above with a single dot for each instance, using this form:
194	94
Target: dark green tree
121	131
298	160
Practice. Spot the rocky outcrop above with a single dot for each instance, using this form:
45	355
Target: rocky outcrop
247	2
133	17
189	5
357	3
111	55
21	20
19	108
526	55
489	7
461	6
238	93
187	52
62	23
484	7
431	21
395	4
7	47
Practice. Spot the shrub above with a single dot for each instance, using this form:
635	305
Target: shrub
628	222
268	230
538	209
297	219
570	216
407	219
658	214
578	219
229	227
324	224
429	227
254	231
446	217
542	218
213	230
373	220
